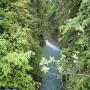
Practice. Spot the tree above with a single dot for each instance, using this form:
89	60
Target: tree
16	45
74	37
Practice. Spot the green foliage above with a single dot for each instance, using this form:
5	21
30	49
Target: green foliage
75	37
23	23
44	64
17	46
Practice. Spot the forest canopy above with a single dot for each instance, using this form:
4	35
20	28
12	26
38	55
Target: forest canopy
23	25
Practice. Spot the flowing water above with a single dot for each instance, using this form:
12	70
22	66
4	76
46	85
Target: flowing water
50	79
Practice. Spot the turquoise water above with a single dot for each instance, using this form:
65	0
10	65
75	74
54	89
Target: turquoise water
50	80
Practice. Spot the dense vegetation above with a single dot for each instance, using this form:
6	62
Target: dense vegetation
75	39
24	23
17	45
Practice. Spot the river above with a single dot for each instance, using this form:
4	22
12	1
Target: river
50	80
